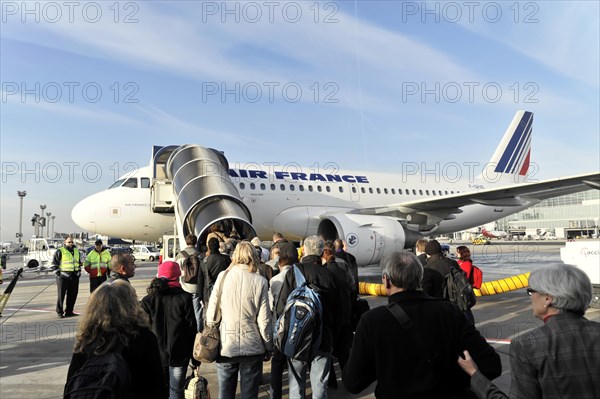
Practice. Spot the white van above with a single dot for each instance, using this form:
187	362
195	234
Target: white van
145	252
41	252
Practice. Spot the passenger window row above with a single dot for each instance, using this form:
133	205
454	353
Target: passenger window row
405	191
319	188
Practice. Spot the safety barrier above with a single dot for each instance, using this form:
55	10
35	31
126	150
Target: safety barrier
512	283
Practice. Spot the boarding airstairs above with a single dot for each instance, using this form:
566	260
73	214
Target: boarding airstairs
192	182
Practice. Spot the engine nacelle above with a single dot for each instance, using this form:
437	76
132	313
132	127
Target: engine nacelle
369	238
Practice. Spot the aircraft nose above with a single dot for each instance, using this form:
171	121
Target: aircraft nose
83	214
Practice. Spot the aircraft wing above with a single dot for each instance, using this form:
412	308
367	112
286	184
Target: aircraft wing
428	212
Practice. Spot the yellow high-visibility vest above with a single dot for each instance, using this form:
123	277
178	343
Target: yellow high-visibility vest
69	262
98	260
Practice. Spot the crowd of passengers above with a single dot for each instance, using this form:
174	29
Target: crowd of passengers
417	346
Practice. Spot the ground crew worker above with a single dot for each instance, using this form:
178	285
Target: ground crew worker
3	266
96	264
67	264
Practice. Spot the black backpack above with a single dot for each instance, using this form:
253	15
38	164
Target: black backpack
191	268
458	290
106	376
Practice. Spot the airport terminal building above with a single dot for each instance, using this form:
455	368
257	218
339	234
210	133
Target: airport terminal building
573	215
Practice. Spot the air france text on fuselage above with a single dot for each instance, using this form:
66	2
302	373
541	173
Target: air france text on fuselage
297	176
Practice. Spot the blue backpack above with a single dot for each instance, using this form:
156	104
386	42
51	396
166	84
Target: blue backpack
297	332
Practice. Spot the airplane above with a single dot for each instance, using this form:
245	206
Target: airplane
493	233
188	188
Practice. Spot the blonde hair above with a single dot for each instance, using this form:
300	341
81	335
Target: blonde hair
245	254
112	317
421	244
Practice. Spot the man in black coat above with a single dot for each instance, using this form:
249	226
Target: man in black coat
435	272
122	267
340	253
418	359
345	300
436	269
320	279
212	265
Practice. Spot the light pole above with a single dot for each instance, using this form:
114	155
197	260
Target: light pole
53	217
48	214
21	195
42	207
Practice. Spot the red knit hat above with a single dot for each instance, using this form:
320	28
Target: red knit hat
170	271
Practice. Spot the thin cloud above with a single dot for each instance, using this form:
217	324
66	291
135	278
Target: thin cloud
563	36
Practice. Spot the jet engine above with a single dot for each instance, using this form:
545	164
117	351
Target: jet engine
369	238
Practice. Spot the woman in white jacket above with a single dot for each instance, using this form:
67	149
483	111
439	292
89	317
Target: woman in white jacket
246	333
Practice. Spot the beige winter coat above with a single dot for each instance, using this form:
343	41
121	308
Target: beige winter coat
245	313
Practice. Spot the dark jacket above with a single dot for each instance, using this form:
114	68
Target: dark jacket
344	283
321	280
174	324
423	259
114	276
143	358
385	352
351	261
212	265
434	271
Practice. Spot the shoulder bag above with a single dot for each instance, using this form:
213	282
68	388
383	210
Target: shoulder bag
207	345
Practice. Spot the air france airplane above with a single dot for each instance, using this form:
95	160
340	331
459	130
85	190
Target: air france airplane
493	233
188	188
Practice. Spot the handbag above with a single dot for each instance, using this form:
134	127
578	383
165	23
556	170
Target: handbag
207	344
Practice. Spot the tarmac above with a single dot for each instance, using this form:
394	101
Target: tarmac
36	346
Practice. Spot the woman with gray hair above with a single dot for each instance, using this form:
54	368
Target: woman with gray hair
560	359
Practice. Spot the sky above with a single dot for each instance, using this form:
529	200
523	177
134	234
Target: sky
89	87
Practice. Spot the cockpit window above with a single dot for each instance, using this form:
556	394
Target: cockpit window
131	182
145	182
117	183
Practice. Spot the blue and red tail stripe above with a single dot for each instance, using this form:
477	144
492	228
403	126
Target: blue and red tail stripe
517	150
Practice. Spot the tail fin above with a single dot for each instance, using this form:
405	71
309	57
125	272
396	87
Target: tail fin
511	159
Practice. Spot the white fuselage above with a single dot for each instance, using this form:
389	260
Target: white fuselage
291	203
